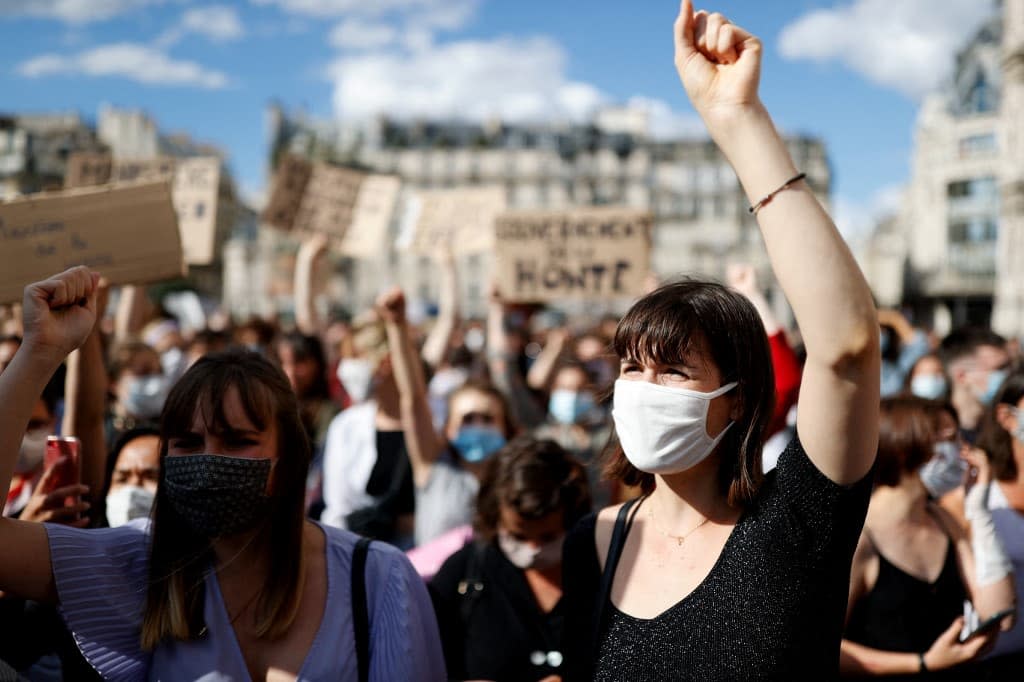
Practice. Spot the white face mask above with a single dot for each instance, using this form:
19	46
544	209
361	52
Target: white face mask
524	555
127	503
664	430
356	375
944	472
146	396
31	452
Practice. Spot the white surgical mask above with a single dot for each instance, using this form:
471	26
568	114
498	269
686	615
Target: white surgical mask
146	396
356	375
944	472
524	555
664	430
928	386
127	503
32	450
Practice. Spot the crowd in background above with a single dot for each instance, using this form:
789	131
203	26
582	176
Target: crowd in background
475	445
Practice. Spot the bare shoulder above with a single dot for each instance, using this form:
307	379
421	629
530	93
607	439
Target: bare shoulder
603	529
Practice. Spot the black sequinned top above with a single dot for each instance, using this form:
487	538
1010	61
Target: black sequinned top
771	608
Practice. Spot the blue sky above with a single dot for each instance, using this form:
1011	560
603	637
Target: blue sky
852	72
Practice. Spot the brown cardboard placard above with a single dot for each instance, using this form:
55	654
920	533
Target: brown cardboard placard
329	200
195	191
588	253
462	219
129	234
371	217
289	184
85	169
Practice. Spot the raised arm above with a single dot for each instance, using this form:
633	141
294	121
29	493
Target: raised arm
504	370
720	66
85	397
421	440
310	253
440	337
542	371
58	315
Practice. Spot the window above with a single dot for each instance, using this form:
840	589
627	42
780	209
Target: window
981	96
973	230
977	145
975	188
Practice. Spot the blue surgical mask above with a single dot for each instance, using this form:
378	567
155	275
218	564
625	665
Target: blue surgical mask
928	386
567	407
477	443
995	379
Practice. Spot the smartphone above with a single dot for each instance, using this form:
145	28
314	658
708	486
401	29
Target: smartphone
988	625
69	471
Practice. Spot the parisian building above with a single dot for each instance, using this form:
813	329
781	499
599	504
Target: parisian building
701	217
961	223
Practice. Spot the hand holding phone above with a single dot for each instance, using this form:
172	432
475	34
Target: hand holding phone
986	626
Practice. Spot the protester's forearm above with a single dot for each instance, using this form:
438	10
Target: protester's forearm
417	425
857	659
85	399
436	346
131	313
21	384
541	372
819	276
306	316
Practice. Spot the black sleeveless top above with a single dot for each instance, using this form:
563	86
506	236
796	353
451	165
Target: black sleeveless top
904	613
771	609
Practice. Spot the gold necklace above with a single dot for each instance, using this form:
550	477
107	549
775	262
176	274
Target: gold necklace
678	538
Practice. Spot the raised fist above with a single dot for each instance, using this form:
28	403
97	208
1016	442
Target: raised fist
59	313
391	306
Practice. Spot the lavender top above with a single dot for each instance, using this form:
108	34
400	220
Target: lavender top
101	578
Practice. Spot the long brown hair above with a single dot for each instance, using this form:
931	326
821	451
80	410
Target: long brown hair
996	441
668	324
179	558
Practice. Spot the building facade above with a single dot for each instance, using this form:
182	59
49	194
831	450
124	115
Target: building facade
960	220
701	217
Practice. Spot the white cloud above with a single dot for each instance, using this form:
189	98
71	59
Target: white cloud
360	34
71	11
132	61
219	23
904	45
518	79
216	22
446	11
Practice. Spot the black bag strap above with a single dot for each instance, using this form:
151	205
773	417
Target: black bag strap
360	613
623	522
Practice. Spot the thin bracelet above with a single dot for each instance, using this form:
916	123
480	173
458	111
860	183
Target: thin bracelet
923	668
771	195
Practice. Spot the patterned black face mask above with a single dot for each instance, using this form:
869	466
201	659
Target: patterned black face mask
217	495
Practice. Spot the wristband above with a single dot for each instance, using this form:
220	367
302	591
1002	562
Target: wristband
771	195
923	667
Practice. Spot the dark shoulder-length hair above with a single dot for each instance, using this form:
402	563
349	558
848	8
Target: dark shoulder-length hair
996	441
535	478
906	437
306	347
682	318
179	558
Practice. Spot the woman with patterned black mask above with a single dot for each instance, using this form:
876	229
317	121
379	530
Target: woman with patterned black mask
723	572
229	580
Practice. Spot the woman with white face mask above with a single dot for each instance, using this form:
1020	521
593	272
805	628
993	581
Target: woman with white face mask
915	566
498	599
722	572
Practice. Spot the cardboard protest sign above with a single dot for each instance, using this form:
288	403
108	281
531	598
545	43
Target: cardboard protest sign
371	217
85	169
195	190
328	201
288	186
351	207
585	253
460	218
129	234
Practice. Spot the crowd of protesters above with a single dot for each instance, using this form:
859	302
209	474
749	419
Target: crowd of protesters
690	492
